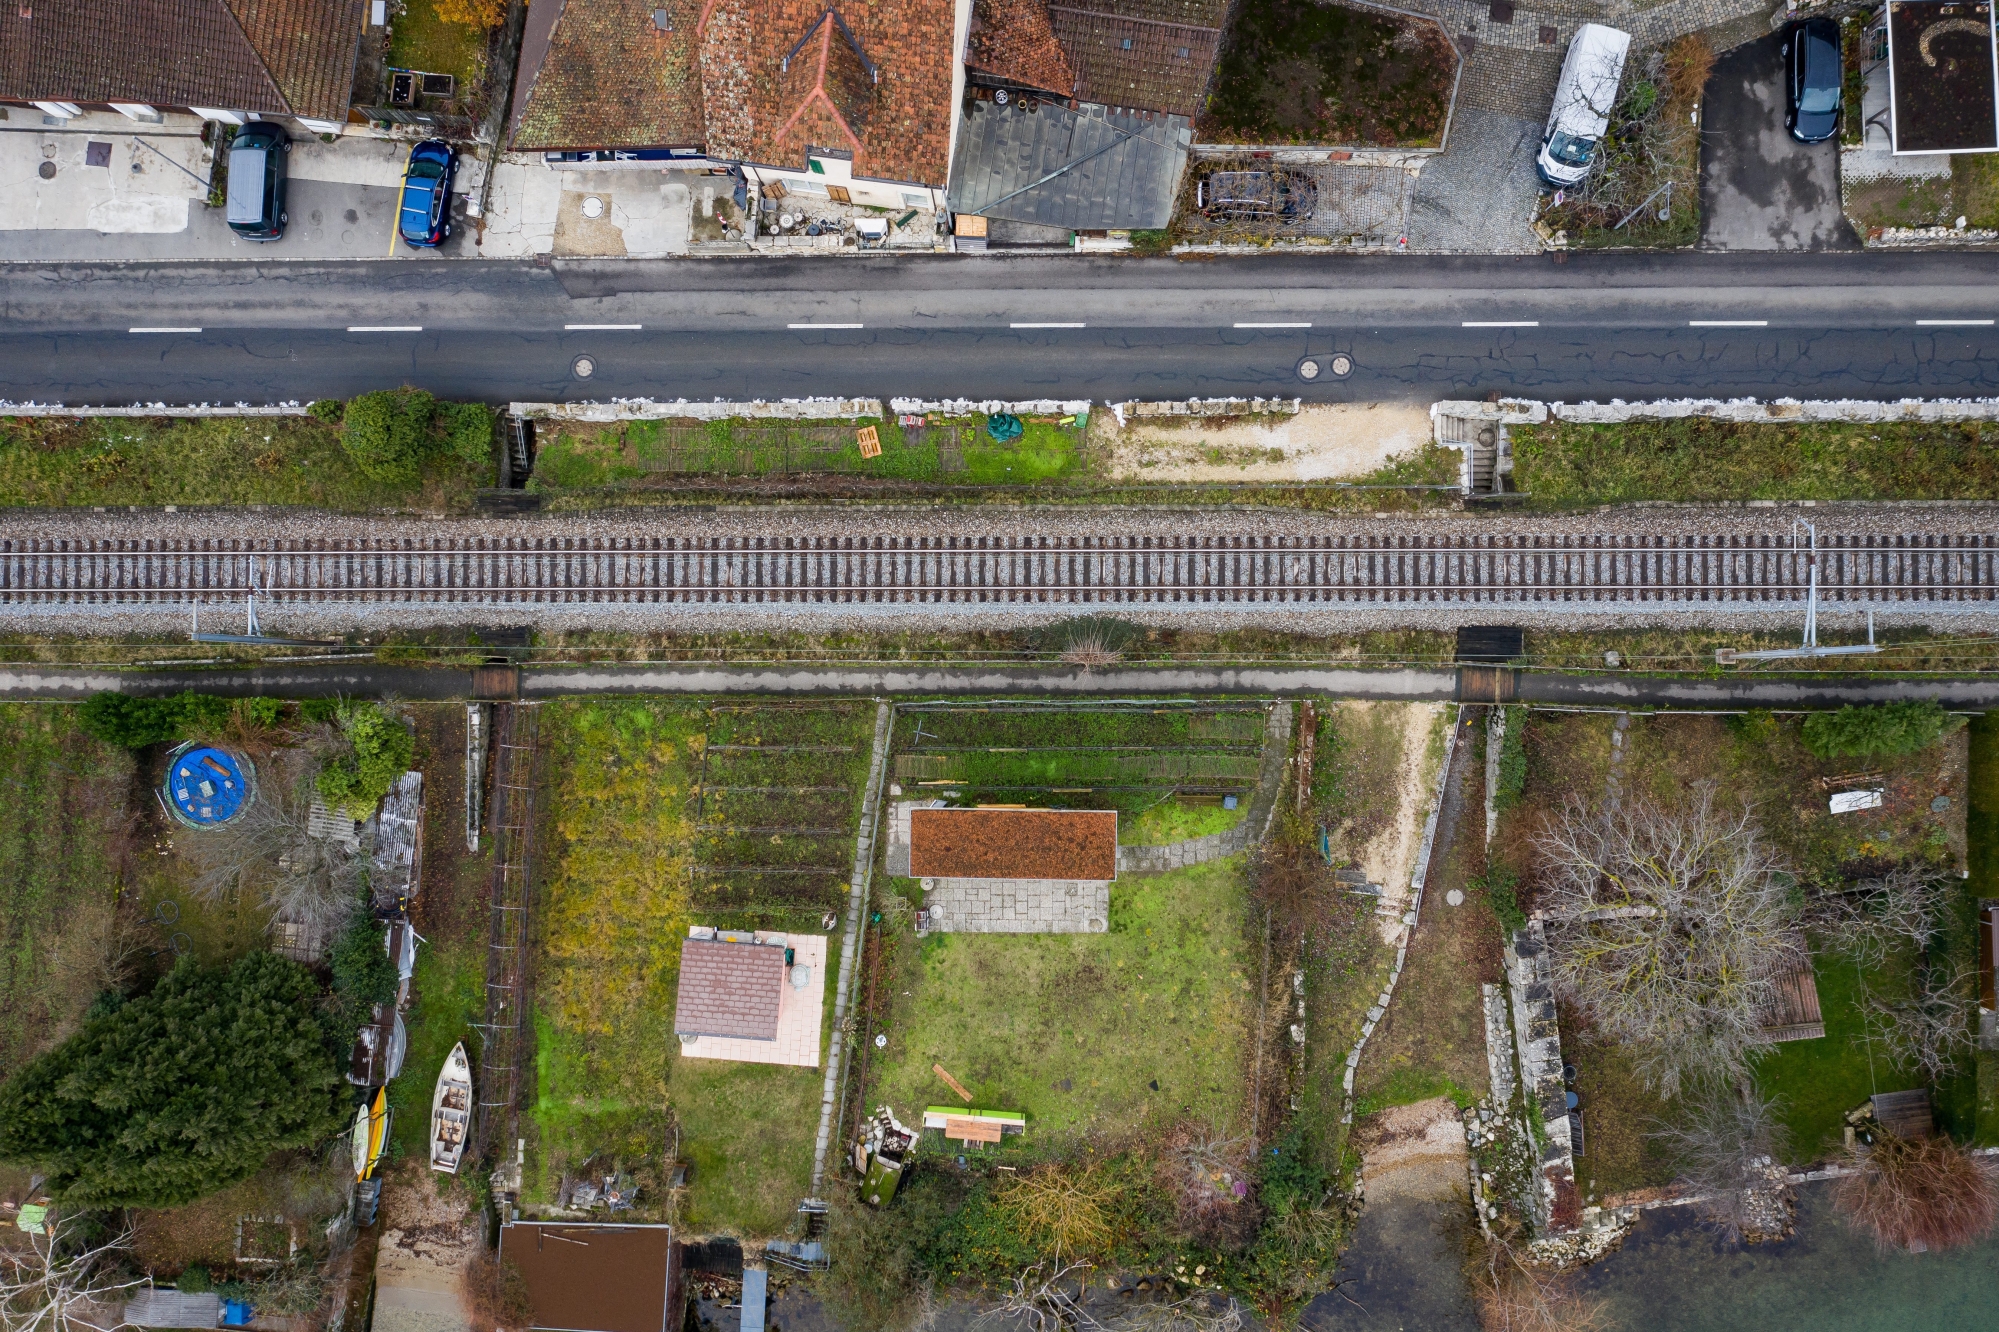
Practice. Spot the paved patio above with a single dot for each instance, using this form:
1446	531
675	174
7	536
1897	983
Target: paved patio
800	1014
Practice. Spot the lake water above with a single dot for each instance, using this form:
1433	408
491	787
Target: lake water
1674	1276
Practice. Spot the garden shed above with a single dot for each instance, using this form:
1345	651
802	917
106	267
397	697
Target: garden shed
751	997
596	1278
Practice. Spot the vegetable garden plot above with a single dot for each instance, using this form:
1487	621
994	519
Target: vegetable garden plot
1126	758
774	808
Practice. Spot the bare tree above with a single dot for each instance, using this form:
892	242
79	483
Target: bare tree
1931	1029
1042	1300
1727	1143
1874	917
1669	929
60	1284
270	846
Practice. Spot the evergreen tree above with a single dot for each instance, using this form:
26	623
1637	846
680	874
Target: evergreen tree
1882	729
181	1092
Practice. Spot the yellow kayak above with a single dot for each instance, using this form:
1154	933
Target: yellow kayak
371	1133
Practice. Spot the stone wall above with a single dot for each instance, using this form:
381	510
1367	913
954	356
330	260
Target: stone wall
1537	1036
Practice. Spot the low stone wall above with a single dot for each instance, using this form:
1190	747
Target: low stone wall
989	406
151	409
1208	407
646	409
1537	1038
1255	822
1527	411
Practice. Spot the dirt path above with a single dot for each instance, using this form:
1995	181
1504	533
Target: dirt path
1389	857
427	1241
1319	443
1413	1151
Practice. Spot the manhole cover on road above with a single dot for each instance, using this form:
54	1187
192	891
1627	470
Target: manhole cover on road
48	170
593	206
583	367
1342	365
1308	369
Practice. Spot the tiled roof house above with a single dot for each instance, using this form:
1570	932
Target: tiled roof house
851	98
221	59
729	988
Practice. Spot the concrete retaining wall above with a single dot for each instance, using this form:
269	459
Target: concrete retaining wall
1526	411
645	409
151	409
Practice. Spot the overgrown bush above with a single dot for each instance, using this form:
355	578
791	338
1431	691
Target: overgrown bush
1918	1191
1881	729
382	751
363	974
330	410
1501	887
495	1294
123	719
468	430
481	14
390	433
1512	781
195	1280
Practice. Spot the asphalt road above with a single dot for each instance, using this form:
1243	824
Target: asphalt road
1566	326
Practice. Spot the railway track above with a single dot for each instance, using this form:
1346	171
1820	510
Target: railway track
1498	569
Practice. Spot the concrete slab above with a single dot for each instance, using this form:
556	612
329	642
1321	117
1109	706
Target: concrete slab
1760	188
800	1015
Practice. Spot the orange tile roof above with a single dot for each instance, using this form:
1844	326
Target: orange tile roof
750	80
1012	40
1013	843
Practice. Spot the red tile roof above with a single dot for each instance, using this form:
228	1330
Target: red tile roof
1013	843
729	989
274	57
1013	41
601	74
750	80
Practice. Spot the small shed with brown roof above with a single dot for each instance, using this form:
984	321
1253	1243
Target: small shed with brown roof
989	843
596	1278
730	988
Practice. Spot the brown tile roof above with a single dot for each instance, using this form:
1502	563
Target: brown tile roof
1013	843
1012	40
276	57
600	74
749	80
601	1278
729	989
1156	55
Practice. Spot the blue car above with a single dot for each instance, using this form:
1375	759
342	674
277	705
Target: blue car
424	218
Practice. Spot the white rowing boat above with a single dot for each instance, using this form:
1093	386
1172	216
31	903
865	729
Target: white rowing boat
451	1112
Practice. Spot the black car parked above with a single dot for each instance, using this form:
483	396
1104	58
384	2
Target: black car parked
255	202
1812	92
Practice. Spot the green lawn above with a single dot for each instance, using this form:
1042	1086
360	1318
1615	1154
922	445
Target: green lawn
450	989
1696	459
575	456
1074	1030
1175	820
51	461
59	875
421	40
1819	1081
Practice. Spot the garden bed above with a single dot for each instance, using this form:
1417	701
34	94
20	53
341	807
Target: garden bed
1694	458
1643	186
1297	72
664	814
54	461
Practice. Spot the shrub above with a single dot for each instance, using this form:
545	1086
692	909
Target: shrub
122	719
319	709
388	433
363	975
1512	761
1918	1191
481	14
468	427
195	1280
383	750
1289	1181
1501	886
329	410
262	713
1884	729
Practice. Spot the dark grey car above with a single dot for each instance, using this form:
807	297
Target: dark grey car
254	205
1812	82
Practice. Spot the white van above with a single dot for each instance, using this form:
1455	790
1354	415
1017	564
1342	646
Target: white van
1584	98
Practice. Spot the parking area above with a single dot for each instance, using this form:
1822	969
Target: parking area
1760	188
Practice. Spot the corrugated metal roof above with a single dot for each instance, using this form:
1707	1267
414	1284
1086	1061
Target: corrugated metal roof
1087	169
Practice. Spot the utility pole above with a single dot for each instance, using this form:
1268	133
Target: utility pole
1810	647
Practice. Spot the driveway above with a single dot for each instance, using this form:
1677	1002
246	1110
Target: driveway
1760	188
